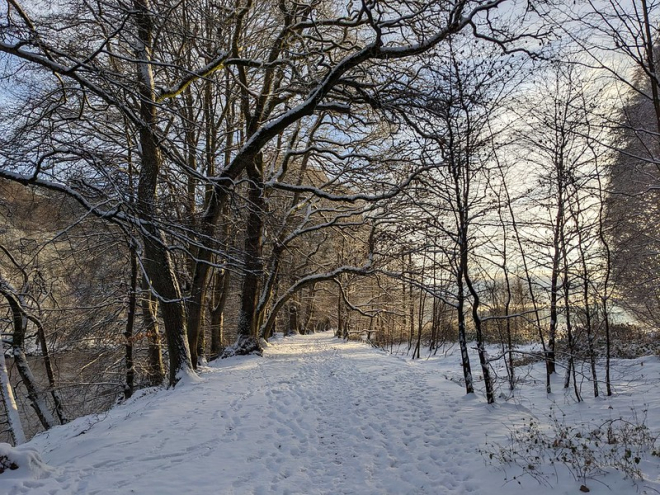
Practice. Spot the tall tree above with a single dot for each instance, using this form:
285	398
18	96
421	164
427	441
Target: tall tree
258	69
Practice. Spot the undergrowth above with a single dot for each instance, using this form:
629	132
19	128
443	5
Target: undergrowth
588	451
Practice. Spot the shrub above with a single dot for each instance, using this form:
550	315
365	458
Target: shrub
587	451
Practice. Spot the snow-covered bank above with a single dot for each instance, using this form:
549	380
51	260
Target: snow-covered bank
317	415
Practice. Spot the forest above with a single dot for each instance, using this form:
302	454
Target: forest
182	180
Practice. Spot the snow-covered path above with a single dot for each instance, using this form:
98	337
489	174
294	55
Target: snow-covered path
314	416
342	422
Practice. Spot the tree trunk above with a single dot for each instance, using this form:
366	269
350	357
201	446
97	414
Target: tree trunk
19	321
293	325
157	262
220	293
587	313
340	314
253	264
195	308
156	370
508	358
550	352
420	320
216	209
247	330
530	288
570	371
557	246
462	339
130	325
608	347
309	310
48	365
481	349
36	396
7	396
411	306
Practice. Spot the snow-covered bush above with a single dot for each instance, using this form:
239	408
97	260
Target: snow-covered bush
21	463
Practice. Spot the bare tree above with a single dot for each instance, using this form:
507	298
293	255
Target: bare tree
562	149
456	126
15	425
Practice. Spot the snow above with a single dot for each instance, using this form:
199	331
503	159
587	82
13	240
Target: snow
317	415
21	464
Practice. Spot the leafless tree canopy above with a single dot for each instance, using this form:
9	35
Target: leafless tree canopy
181	180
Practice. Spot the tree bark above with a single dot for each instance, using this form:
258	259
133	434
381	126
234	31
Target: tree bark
247	331
156	370
157	261
19	321
481	349
130	326
309	310
220	293
462	339
7	395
